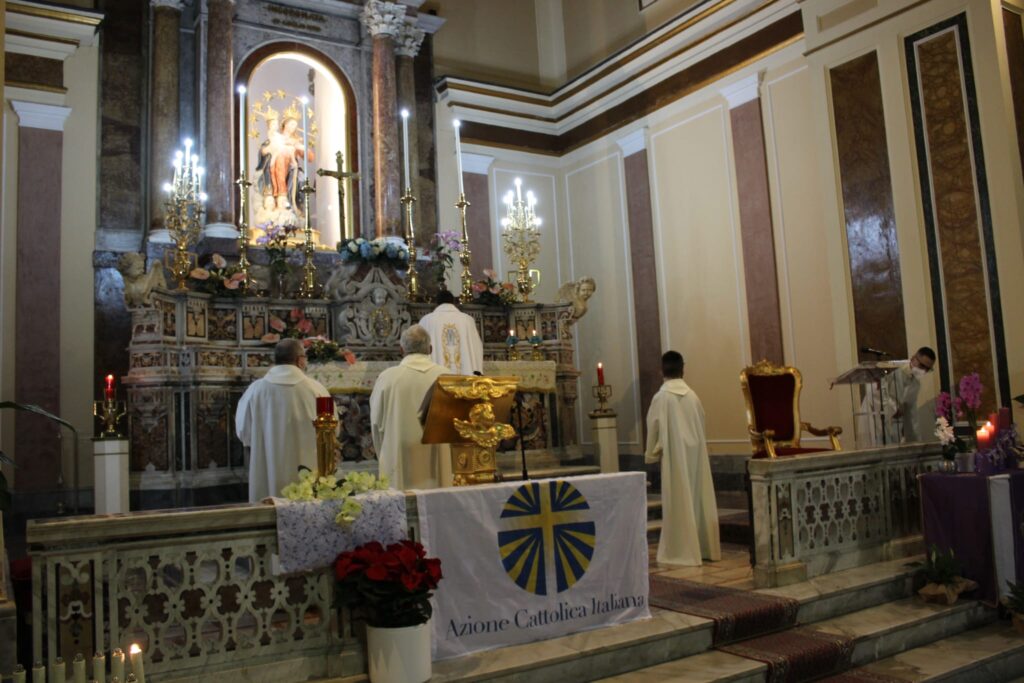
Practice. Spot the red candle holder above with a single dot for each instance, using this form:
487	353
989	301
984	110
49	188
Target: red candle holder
324	405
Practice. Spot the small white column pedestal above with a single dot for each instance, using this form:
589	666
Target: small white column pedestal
110	469
606	440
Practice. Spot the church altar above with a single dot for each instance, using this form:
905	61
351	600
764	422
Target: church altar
197	587
192	355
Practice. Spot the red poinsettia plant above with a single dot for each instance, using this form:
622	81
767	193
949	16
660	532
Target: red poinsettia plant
389	586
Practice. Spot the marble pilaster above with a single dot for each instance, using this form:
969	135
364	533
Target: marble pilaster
406	48
219	96
164	121
384	21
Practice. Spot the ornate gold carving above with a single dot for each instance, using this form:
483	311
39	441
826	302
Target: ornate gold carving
475	388
482	428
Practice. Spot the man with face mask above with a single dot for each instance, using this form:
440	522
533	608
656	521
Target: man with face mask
904	388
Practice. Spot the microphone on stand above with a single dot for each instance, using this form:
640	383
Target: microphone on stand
522	442
876	352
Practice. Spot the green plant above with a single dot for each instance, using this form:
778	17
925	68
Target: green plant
939	567
1015	600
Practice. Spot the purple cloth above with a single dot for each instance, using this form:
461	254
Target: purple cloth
955	515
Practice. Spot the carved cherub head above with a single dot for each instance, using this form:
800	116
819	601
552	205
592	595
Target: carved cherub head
131	265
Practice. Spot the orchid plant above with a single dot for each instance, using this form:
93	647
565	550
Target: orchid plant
218	278
444	246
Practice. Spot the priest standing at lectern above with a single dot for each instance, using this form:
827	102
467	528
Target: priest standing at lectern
675	437
395	405
454	336
275	420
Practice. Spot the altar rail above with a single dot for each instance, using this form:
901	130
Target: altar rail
195	588
824	512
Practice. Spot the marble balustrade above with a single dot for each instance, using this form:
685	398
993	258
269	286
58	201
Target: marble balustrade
823	512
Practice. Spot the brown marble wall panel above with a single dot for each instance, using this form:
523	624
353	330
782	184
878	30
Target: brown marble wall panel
956	211
868	206
37	308
645	277
19	68
1015	59
478	222
123	78
763	311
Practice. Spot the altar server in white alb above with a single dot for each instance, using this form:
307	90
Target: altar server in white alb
675	437
395	405
454	337
275	420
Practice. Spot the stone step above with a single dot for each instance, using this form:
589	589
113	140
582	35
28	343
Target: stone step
991	653
878	632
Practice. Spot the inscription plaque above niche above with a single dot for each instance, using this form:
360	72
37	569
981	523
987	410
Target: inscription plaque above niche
871	242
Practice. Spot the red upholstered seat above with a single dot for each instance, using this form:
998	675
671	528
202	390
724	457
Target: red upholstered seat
772	394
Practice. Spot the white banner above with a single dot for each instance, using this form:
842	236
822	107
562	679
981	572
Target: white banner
535	560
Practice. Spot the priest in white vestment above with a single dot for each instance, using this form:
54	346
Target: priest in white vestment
395	405
675	437
275	420
454	337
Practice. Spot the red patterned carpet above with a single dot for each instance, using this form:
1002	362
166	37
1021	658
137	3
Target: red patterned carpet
796	655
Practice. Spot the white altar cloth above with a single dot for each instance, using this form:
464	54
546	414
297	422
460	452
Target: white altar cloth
535	560
308	539
342	378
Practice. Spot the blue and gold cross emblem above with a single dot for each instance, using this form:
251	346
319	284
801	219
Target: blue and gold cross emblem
546	528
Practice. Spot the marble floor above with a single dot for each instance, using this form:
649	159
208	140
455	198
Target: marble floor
732	571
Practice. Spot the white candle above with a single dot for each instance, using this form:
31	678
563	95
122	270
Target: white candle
458	155
99	667
305	141
195	173
58	673
241	130
78	668
405	144
117	664
38	673
137	663
519	190
18	673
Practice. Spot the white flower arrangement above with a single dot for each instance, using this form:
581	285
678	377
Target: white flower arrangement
392	249
944	431
309	487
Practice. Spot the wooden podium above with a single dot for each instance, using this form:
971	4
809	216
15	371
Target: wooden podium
470	413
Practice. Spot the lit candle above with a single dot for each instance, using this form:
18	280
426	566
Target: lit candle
137	664
18	673
512	339
117	664
458	154
58	673
305	141
600	374
108	393
99	667
241	130
38	673
519	190
983	439
990	428
324	405
78	668
405	145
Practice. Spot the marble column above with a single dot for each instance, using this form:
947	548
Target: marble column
764	313
37	330
164	123
406	48
384	21
219	136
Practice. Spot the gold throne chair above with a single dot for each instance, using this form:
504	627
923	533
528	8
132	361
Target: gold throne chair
772	395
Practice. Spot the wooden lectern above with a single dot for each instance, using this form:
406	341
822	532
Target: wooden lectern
470	413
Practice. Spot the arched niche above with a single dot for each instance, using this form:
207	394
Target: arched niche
276	76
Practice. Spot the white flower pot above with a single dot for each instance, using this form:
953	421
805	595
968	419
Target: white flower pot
399	655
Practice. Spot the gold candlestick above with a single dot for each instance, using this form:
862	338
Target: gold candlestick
110	413
243	230
308	288
522	238
464	254
326	425
183	214
412	279
602	392
536	353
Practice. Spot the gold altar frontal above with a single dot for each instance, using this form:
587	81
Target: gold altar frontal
470	413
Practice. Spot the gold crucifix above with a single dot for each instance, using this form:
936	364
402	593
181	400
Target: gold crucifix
341	176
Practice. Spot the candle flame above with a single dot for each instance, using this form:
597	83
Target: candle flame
405	113
241	90
456	123
110	378
600	365
135	649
